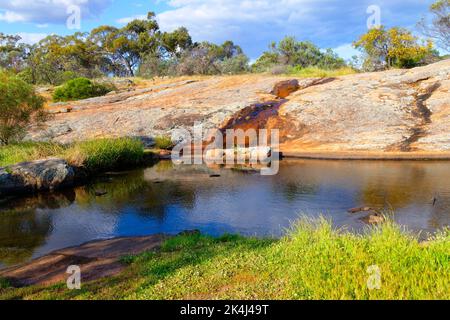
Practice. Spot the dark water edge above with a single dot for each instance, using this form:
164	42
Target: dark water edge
169	199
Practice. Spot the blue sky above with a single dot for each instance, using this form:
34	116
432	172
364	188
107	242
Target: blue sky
251	23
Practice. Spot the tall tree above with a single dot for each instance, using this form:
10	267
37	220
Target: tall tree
111	62
396	47
136	40
439	28
176	42
13	54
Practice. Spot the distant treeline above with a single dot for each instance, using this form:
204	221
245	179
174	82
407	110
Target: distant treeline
141	49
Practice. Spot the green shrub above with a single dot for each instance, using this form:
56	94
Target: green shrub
19	106
26	75
80	88
163	142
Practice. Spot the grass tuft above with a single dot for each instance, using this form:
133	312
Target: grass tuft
106	154
163	143
94	155
316	72
28	151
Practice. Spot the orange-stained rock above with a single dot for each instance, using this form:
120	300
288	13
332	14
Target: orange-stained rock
394	114
284	88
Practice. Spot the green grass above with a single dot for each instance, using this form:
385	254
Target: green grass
163	143
316	72
21	152
95	155
4	283
106	154
314	262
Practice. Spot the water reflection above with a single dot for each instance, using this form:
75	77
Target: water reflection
167	198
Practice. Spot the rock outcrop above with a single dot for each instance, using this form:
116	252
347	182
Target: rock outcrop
392	114
34	176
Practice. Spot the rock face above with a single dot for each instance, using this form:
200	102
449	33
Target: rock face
36	176
392	114
157	110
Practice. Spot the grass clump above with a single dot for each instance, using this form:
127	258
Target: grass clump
314	261
163	143
80	88
94	155
106	154
316	72
28	151
4	283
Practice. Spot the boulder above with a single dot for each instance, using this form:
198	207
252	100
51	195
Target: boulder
34	176
285	88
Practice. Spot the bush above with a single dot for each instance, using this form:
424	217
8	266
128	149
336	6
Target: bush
26	75
80	88
19	106
279	69
234	65
154	66
164	143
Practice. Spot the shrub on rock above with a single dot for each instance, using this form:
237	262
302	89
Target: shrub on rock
80	88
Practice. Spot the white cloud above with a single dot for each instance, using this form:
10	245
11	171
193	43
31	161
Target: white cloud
129	19
346	51
31	38
48	11
255	23
11	17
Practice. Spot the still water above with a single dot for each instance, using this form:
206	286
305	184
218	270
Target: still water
170	199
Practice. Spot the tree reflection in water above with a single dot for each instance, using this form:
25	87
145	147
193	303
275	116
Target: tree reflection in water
168	198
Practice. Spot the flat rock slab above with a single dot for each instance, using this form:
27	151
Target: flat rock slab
97	259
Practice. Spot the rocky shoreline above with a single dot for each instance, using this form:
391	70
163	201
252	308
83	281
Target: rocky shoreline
53	174
97	259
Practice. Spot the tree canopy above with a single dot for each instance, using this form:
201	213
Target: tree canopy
396	47
290	52
439	28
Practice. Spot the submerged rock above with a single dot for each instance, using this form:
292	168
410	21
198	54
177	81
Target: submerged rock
34	176
97	259
375	218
